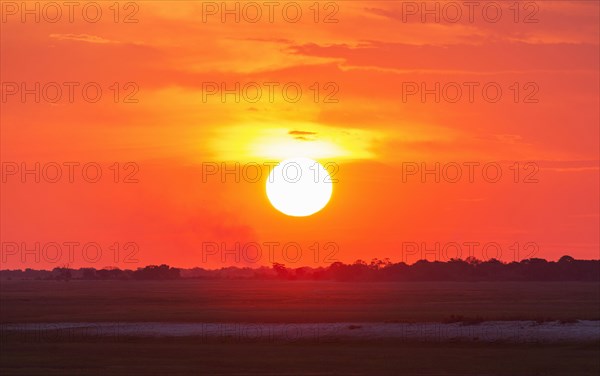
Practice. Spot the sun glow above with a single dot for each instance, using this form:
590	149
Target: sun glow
259	142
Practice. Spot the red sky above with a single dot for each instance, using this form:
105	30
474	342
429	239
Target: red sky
373	130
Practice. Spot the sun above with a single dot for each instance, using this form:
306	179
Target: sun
299	187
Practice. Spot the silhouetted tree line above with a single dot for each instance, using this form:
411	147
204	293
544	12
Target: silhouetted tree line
151	272
470	269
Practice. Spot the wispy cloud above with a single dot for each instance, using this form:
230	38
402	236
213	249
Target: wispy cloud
82	38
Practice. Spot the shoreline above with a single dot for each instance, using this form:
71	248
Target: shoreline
488	331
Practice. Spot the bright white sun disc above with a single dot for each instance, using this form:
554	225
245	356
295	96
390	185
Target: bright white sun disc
299	187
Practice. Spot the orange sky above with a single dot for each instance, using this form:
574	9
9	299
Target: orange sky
374	128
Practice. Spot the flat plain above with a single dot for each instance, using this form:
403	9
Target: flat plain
271	301
235	301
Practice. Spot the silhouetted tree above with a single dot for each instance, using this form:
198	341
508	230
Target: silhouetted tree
157	272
